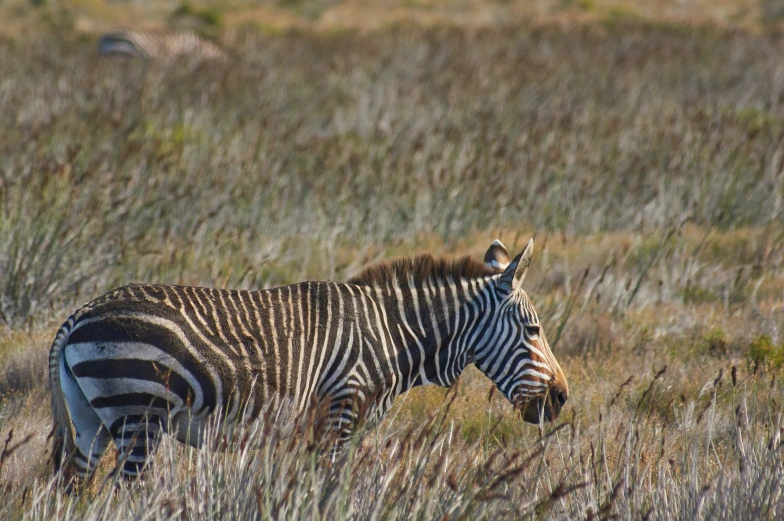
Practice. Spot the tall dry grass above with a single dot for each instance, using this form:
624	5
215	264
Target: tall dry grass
645	158
708	467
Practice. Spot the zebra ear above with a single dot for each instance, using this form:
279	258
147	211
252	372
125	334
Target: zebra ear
513	275
497	258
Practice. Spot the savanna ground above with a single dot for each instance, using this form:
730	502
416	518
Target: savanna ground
642	151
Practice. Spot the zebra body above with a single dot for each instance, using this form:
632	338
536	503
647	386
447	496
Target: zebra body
144	357
158	45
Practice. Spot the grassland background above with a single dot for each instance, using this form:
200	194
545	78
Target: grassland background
641	147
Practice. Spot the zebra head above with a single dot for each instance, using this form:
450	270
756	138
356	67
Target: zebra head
513	351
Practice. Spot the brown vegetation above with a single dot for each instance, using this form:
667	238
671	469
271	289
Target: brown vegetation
646	159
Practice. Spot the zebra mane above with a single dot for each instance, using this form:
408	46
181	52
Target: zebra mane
420	269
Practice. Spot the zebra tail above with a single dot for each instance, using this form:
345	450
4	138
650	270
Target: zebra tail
63	444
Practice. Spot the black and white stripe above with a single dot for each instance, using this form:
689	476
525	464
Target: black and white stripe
145	358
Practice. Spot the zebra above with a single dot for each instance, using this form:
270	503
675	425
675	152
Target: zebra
145	359
158	45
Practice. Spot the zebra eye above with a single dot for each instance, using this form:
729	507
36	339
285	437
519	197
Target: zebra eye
532	330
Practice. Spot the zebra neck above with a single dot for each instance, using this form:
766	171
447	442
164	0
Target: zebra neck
426	322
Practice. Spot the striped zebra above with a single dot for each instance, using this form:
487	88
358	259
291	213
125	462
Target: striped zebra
147	359
158	45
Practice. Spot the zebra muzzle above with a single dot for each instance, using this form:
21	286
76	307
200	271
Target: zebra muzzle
545	408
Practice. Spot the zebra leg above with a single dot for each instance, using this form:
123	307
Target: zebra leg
345	417
337	427
90	450
137	438
92	438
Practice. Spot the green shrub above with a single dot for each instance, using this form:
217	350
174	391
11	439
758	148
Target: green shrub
763	352
714	342
210	16
207	16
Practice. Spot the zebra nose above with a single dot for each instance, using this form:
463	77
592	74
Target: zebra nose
558	396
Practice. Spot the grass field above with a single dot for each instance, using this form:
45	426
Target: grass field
644	156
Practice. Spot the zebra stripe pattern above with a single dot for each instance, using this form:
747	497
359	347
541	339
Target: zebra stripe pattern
145	358
158	45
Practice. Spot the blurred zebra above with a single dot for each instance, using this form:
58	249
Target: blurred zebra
158	45
146	359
